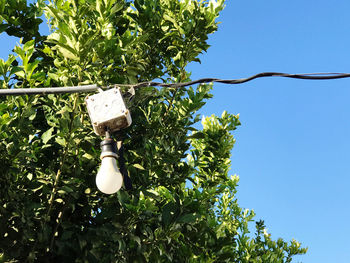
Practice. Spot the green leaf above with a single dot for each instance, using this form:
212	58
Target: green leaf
188	218
168	213
136	239
197	135
2	6
61	141
138	166
68	52
46	136
32	116
59	200
178	56
29	46
31	67
20	73
14	70
3	27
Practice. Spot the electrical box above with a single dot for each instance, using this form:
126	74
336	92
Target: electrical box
107	110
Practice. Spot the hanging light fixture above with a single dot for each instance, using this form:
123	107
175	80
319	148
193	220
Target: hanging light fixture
108	113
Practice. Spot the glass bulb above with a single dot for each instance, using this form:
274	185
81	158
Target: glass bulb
109	179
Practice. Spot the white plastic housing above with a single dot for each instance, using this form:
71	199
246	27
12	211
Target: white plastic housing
107	109
109	179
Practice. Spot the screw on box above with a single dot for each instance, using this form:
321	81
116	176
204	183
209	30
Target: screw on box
108	109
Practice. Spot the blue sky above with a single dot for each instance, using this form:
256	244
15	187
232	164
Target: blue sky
292	150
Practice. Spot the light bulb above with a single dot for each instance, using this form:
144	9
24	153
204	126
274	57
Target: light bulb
109	179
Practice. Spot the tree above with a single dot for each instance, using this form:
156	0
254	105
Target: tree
182	207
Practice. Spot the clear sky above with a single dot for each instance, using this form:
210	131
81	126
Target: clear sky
293	148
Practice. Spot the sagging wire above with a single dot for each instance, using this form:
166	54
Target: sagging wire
94	87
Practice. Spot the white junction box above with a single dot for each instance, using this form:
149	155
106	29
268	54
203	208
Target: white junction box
107	110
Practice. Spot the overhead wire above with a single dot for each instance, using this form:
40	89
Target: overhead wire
94	87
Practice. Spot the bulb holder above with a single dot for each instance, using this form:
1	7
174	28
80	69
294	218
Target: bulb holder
108	145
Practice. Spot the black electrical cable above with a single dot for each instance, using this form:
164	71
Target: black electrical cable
126	179
45	91
89	88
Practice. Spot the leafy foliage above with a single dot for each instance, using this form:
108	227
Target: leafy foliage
182	207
